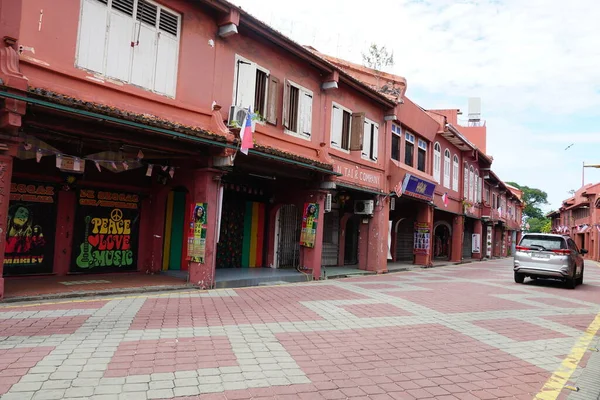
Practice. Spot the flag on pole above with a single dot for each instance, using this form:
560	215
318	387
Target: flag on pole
398	189
445	199
246	134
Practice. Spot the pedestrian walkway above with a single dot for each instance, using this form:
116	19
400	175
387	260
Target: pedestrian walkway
455	332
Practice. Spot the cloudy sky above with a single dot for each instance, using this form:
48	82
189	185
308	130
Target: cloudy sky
534	63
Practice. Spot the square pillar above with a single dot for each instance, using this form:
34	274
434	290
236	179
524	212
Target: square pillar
425	215
6	167
311	256
206	184
478	229
377	237
458	229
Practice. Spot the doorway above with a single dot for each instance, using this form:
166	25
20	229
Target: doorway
174	243
351	241
442	241
287	237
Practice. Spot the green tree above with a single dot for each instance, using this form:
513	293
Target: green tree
378	57
533	199
537	225
547	228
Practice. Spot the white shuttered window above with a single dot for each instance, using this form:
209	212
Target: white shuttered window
447	168
437	162
455	173
370	141
136	41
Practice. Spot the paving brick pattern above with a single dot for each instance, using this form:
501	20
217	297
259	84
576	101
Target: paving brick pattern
460	332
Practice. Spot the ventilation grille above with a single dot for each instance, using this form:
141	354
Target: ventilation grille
125	6
168	22
146	12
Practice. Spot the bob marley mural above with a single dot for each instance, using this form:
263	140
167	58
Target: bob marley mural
30	230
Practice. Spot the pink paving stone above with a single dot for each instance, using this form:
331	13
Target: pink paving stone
585	292
519	330
376	310
15	363
398	355
580	322
450	297
170	355
251	306
41	326
73	305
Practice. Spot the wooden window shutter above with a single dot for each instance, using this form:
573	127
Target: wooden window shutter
357	131
286	105
272	100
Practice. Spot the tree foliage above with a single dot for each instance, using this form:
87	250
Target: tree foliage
537	225
378	57
533	199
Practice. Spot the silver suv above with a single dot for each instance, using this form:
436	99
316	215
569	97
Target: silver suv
541	255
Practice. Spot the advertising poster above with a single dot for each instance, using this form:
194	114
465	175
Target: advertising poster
310	219
30	229
422	238
197	233
105	237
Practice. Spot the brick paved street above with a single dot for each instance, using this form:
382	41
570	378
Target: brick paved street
460	332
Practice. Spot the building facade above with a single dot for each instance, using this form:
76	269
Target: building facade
121	149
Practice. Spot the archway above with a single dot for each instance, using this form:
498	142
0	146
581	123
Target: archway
405	239
442	240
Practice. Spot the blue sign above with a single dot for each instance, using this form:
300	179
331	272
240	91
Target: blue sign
418	188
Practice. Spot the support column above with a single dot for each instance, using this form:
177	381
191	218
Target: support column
6	166
311	257
458	228
206	190
478	229
377	237
425	215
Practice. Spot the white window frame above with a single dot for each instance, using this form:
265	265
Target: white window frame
466	181
397	131
471	184
336	145
375	138
455	172
410	138
254	67
447	168
437	162
136	22
478	186
302	91
421	144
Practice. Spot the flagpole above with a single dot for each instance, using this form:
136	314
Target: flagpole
583	175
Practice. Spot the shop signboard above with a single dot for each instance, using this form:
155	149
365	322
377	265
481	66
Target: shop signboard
310	219
106	231
30	229
418	188
422	238
197	233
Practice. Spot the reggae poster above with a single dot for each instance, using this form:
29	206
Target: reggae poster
197	233
30	229
310	220
106	232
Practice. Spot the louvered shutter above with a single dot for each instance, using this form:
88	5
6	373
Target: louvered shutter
336	126
92	35
120	35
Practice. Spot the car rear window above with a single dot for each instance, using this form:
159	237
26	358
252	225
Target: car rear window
547	242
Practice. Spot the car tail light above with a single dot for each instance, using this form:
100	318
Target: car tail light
521	248
562	252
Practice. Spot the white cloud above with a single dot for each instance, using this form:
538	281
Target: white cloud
527	60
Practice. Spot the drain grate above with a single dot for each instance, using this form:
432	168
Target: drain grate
90	282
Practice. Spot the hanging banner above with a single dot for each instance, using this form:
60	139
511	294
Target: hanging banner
310	219
106	232
422	238
30	229
197	233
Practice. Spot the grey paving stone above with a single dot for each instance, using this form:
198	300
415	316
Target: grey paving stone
162	376
160	394
54	394
182	382
138	379
135	387
108	389
186	391
162	385
79	392
26	386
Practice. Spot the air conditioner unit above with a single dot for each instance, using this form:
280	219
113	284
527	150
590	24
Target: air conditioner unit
328	200
364	207
237	116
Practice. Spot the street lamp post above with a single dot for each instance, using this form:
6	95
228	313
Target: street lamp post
583	171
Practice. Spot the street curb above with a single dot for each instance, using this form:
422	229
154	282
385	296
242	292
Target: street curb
98	293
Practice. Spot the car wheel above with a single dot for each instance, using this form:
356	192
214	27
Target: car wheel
580	279
572	281
519	278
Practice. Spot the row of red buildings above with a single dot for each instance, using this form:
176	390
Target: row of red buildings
578	217
120	150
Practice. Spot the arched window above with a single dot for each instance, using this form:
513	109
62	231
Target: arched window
447	167
471	184
455	173
437	162
477	187
466	181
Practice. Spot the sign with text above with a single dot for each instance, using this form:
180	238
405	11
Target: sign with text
197	233
422	238
106	232
30	229
476	243
310	219
418	188
357	175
